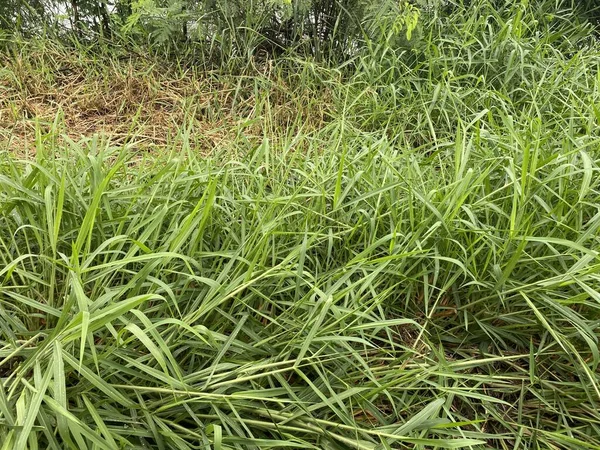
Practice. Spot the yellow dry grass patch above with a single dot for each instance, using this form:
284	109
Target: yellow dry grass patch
135	97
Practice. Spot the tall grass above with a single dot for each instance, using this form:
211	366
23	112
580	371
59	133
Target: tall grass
417	269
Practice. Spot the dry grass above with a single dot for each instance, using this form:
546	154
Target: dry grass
134	97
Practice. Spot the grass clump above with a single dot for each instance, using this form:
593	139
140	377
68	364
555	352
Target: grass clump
418	268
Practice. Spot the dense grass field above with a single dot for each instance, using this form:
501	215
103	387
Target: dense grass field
401	252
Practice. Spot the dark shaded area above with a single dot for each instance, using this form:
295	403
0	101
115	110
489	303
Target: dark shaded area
218	30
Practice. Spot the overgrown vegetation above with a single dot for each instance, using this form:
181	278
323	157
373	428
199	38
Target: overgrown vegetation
400	250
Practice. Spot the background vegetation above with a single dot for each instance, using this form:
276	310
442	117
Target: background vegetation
326	225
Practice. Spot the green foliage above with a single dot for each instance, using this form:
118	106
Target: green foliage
418	268
225	28
222	31
407	19
162	23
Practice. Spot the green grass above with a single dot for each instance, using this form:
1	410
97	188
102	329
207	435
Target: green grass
419	268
